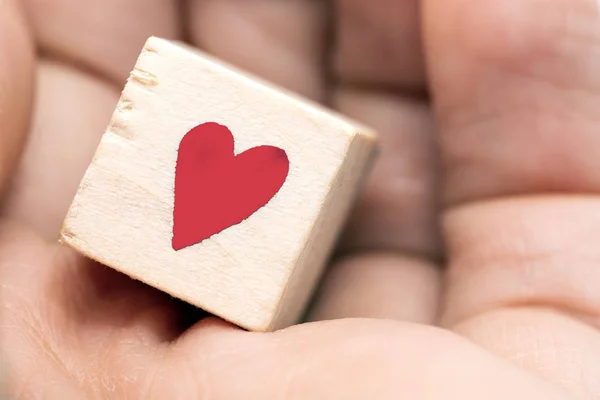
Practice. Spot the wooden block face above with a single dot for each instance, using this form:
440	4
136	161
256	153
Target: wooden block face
260	272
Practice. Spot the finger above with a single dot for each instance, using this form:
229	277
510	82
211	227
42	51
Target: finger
378	43
282	41
517	95
523	282
102	37
516	89
93	47
398	209
71	114
379	285
376	59
356	359
16	83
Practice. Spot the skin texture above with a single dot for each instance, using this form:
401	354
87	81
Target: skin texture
468	269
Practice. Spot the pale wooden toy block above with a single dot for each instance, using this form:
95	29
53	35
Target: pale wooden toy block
261	272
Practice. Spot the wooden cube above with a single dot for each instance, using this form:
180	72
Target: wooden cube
218	188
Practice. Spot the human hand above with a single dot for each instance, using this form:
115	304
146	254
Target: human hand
509	307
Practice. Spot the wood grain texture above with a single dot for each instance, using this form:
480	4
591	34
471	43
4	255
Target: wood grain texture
258	274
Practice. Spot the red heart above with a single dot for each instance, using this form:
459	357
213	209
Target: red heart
215	189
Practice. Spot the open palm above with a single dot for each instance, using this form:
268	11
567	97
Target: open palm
469	268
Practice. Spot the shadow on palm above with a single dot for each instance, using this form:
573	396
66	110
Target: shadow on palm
60	307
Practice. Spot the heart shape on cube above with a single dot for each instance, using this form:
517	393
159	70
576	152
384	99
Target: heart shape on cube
216	189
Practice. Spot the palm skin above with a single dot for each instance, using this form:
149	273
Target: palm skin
468	269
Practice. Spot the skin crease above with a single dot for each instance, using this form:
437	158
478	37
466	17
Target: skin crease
470	275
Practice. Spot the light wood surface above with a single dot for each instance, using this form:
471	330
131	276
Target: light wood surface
260	273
